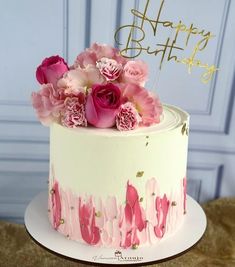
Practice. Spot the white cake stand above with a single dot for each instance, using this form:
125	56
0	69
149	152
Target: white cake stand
38	226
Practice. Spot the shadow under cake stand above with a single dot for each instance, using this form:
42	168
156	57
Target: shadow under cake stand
189	233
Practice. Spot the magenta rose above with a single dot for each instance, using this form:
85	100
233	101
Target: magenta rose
51	70
102	105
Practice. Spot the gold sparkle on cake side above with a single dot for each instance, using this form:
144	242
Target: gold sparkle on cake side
139	174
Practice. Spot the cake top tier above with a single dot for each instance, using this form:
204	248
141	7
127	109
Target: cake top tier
101	89
172	117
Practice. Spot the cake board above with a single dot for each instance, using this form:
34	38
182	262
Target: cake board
39	227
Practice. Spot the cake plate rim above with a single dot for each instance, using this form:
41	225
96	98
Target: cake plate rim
187	236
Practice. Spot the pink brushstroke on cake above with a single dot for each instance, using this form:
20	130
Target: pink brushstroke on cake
104	222
56	205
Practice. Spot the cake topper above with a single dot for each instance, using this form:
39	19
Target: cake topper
136	35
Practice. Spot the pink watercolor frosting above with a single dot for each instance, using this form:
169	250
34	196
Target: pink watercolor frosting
105	222
162	206
89	230
56	205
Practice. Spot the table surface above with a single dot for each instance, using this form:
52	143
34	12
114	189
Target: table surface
216	248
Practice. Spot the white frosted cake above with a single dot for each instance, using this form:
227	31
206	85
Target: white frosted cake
118	156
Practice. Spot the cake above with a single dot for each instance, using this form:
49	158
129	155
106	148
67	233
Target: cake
118	156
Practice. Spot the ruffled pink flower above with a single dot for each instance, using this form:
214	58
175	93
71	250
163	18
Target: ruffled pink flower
96	52
90	232
147	105
48	102
79	80
127	118
109	68
74	112
51	69
102	105
135	71
84	59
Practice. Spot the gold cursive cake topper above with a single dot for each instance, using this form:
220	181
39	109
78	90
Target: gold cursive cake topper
136	35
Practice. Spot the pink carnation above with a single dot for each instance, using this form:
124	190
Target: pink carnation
74	112
147	105
127	118
96	52
109	68
135	72
48	102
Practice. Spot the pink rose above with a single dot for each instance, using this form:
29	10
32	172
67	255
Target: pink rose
48	102
135	72
109	68
96	52
102	105
148	105
74	112
127	118
51	70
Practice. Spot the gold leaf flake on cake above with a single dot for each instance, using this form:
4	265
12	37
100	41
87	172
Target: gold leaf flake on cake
98	214
61	221
139	174
134	246
147	137
141	199
184	129
173	203
52	191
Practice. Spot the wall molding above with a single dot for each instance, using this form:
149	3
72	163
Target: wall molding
65	28
217	168
119	5
213	87
212	149
87	32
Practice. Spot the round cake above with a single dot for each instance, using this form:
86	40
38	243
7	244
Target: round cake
119	188
117	155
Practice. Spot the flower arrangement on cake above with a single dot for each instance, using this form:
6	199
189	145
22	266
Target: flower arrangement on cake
101	89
